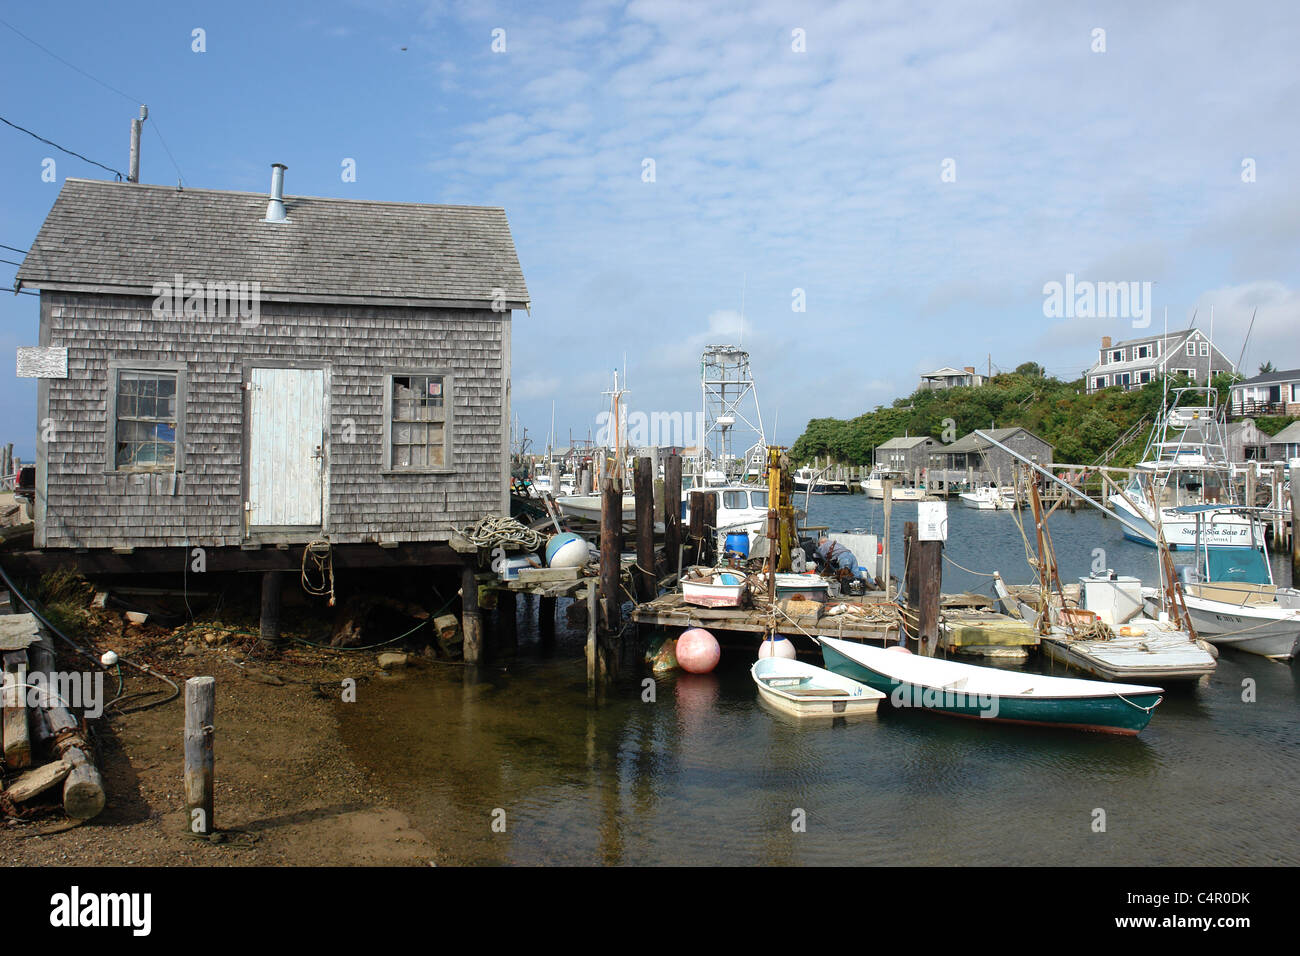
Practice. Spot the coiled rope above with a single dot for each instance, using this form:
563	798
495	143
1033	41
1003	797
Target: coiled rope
319	553
494	529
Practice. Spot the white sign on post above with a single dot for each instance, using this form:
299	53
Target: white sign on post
932	521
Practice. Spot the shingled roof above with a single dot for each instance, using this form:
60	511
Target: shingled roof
125	237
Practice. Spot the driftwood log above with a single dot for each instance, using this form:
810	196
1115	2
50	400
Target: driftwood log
83	788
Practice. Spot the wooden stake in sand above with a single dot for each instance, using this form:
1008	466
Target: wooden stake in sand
200	711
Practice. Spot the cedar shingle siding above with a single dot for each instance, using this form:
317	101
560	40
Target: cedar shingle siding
346	251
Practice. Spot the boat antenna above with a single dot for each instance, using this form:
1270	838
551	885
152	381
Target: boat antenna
744	280
1246	341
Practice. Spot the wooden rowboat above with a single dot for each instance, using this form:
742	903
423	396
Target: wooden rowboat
990	693
806	691
713	587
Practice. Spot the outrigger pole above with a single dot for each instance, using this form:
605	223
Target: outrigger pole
1065	484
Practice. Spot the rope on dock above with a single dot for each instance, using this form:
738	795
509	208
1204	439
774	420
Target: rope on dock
495	529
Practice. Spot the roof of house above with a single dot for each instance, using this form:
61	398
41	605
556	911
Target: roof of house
1287	435
904	443
947	371
111	236
972	442
1171	337
1269	378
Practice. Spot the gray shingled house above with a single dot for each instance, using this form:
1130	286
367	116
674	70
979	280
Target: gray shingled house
242	371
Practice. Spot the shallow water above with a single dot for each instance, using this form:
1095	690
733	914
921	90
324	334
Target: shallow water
704	774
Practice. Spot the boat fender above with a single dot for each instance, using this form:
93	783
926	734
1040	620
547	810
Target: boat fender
1208	648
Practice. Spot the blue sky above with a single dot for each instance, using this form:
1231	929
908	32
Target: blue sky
776	169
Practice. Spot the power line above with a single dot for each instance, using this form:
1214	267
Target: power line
116	172
13	248
107	86
11	262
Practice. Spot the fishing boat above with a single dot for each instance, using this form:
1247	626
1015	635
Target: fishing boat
809	480
803	690
741	509
1233	601
713	587
1108	636
991	693
989	498
874	486
588	506
1184	468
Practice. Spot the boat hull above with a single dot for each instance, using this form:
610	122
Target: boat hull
1087	657
1108	713
1214	621
1180	531
802	690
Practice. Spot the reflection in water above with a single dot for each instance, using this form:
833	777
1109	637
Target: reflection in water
707	774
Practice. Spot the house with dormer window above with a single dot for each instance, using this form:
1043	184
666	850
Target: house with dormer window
1134	362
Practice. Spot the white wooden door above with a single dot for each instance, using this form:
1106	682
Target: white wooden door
286	447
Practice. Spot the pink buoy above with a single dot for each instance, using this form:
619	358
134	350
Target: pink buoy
698	651
899	648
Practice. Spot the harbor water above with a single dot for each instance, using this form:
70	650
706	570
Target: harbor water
518	768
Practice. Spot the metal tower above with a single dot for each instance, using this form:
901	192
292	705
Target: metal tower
728	391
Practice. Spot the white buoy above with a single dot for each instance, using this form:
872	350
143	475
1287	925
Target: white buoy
777	647
109	659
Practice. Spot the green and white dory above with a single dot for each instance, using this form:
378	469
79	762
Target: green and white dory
990	693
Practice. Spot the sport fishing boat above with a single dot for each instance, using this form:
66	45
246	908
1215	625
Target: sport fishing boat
810	480
989	498
992	693
1108	636
874	486
1232	599
1185	466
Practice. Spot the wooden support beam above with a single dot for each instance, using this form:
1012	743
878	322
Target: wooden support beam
546	620
471	618
611	550
272	584
709	544
200	715
591	638
17	735
643	489
83	788
673	512
930	573
507	638
1295	524
695	546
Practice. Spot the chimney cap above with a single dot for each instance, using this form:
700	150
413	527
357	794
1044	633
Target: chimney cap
275	211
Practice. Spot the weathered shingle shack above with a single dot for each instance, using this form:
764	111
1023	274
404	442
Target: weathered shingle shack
246	372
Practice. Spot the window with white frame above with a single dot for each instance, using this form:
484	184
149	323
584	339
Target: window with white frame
1117	355
1191	349
1144	377
144	419
418	421
1205	349
1142	351
1099	381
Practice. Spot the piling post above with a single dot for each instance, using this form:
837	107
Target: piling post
643	486
930	572
888	504
200	713
709	542
1250	485
546	620
910	559
272	583
591	639
471	618
673	511
611	550
695	550
507	636
1295	522
1276	505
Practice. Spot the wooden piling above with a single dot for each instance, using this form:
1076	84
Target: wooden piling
592	649
709	542
507	637
888	505
1251	496
930	574
673	512
1279	480
272	584
1295	522
611	550
83	788
471	618
911	592
546	620
643	488
200	714
17	736
695	547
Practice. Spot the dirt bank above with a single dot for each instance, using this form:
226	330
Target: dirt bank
286	791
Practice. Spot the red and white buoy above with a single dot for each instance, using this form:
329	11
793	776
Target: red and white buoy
698	651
